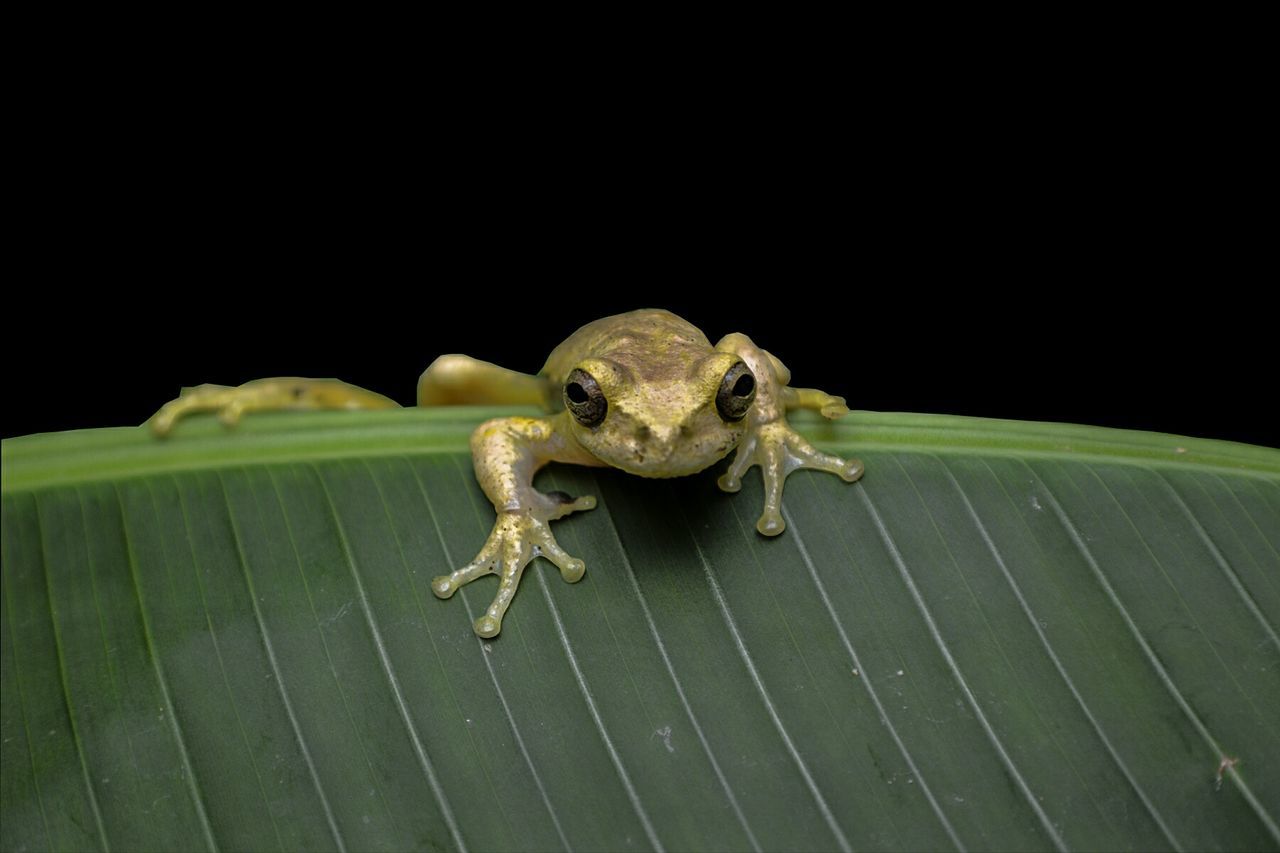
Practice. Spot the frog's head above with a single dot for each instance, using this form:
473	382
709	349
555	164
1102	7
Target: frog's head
658	417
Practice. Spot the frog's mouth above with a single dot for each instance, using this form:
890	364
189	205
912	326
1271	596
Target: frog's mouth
665	472
675	462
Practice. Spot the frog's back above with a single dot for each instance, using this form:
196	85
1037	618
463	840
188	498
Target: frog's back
636	338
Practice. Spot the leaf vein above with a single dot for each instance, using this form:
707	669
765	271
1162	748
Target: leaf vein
866	681
941	643
269	648
1048	730
1150	655
222	668
675	679
599	721
493	676
66	687
1221	560
613	635
718	594
324	644
106	650
404	562
1182	601
1053	656
22	702
1266	540
423	760
797	646
193	784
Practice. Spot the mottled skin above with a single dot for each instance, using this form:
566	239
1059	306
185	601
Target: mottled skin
644	392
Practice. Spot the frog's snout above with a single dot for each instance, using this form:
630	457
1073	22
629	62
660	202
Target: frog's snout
662	438
655	444
658	451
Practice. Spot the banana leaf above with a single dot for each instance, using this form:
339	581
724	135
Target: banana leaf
1006	636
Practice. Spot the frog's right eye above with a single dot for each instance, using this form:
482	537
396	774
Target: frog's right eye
584	399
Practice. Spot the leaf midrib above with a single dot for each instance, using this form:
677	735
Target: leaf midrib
84	456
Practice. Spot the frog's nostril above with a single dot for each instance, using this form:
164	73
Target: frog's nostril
663	434
643	432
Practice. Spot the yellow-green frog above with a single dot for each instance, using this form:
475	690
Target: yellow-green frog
643	391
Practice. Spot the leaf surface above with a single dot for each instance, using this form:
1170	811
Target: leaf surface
1006	636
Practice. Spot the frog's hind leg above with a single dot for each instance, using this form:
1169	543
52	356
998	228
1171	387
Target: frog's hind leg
830	406
282	393
459	380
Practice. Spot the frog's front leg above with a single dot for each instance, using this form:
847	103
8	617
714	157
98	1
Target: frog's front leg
507	453
770	441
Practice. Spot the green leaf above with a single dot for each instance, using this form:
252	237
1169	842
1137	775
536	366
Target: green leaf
1006	636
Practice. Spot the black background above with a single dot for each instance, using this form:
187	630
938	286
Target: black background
883	343
953	239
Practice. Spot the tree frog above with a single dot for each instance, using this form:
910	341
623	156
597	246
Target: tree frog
645	392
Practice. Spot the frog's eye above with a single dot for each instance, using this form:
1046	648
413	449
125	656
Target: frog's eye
737	390
583	397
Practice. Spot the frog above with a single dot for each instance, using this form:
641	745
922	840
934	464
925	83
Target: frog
644	392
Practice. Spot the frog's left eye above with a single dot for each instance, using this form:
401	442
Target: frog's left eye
583	397
737	390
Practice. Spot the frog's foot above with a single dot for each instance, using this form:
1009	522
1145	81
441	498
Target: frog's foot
517	538
265	395
779	450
